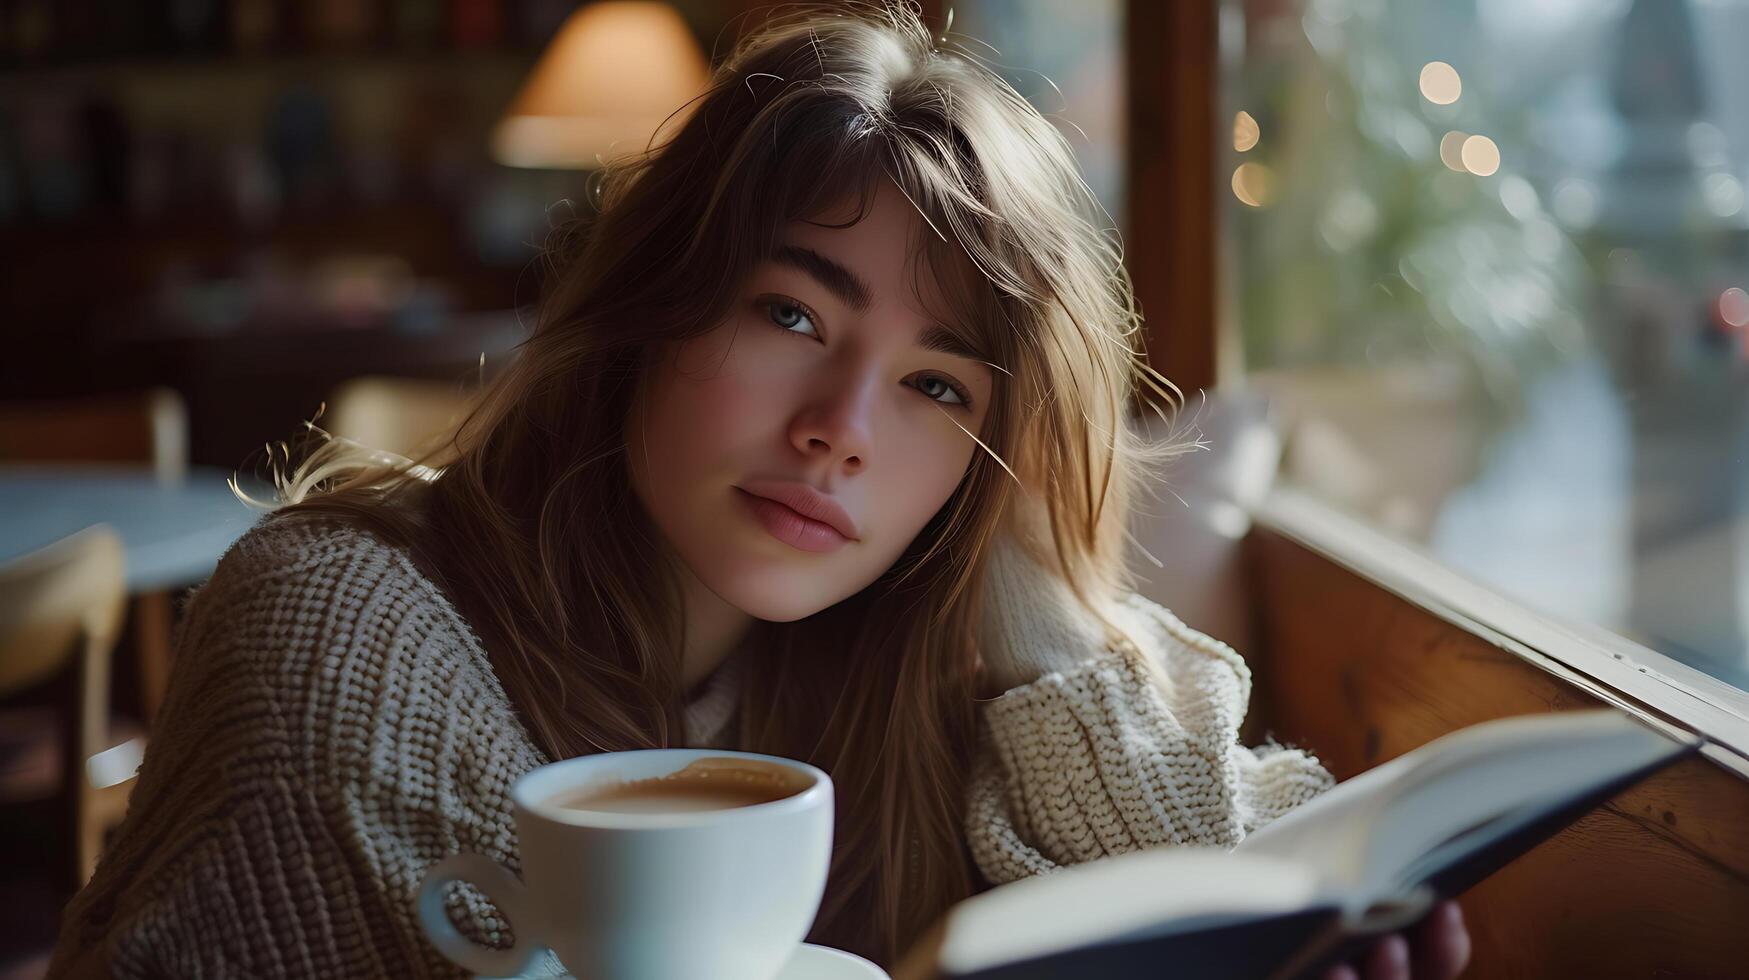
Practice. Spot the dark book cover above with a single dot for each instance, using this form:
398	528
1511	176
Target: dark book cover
1302	945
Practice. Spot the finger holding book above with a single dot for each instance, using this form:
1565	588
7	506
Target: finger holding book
1360	877
1437	948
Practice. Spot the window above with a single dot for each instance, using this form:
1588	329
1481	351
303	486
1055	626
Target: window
1492	258
1067	60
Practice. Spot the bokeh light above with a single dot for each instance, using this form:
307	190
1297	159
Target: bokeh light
1440	83
1734	308
1724	194
1575	203
1246	132
1481	157
1451	150
1254	184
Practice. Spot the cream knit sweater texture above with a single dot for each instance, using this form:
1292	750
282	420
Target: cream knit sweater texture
333	727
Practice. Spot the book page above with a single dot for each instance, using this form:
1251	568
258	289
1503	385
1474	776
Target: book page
1454	795
1153	892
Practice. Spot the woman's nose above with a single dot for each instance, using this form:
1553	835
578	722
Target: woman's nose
839	419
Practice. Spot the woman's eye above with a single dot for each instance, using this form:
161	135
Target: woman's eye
787	314
950	387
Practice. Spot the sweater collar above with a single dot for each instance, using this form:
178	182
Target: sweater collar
708	713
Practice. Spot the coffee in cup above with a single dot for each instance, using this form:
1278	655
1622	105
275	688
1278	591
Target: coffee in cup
652	864
710	783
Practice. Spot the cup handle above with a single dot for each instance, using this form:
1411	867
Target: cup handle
505	891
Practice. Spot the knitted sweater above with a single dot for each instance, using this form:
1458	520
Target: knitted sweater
333	727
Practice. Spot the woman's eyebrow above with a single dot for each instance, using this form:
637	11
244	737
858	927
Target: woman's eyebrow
840	281
855	293
940	339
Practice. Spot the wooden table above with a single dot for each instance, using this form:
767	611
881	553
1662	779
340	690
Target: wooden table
174	534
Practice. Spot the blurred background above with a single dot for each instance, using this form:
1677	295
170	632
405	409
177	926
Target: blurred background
1500	250
1485	261
222	218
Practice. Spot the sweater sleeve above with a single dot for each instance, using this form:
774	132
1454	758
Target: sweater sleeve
324	740
1134	745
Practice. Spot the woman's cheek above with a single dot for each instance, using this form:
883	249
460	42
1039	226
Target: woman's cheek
724	378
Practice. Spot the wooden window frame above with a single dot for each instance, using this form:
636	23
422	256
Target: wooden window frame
1172	247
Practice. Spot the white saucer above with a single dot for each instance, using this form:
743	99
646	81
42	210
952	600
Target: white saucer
810	962
813	962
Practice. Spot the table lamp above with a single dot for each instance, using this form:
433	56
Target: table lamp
613	72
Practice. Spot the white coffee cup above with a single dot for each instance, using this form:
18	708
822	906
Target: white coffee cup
725	893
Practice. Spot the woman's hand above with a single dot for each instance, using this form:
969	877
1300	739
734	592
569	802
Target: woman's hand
1437	948
1033	624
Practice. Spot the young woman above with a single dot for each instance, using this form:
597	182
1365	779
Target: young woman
863	278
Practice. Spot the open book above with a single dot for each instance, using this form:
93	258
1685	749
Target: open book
1317	885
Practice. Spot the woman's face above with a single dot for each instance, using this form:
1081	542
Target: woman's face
817	376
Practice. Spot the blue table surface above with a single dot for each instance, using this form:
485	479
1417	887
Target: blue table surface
174	533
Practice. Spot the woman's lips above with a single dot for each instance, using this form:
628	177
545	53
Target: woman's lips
790	527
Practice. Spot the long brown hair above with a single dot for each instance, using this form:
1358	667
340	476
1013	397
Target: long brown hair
526	517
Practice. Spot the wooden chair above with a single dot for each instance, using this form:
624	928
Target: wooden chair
60	613
148	427
398	415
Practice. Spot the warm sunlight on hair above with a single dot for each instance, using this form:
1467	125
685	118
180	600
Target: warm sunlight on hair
526	506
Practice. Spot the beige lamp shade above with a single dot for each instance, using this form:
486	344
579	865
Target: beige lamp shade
612	74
